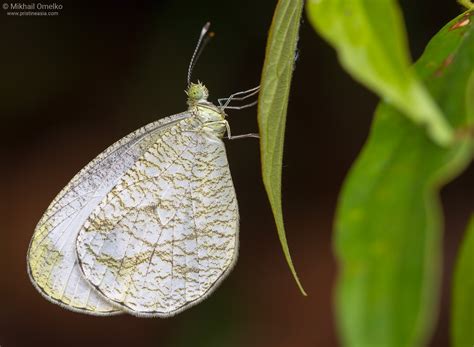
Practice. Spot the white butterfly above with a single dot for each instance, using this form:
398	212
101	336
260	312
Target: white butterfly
150	226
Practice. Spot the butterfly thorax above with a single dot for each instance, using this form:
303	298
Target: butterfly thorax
212	117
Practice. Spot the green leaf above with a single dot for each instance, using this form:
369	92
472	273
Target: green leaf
272	106
389	222
462	315
467	4
370	39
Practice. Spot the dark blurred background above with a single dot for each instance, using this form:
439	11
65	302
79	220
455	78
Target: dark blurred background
73	84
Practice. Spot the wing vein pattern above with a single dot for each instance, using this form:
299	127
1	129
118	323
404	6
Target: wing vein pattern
52	262
139	247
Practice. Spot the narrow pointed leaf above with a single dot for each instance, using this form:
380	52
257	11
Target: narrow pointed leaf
272	107
389	221
370	39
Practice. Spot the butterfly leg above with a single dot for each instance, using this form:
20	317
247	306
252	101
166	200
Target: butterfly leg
218	124
243	106
224	102
236	137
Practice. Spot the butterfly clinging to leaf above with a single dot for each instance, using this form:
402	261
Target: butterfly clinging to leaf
150	226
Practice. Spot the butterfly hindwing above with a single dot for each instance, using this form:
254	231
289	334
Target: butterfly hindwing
163	238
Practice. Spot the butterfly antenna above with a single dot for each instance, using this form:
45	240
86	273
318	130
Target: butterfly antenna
203	40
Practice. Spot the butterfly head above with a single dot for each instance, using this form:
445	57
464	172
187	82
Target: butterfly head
197	93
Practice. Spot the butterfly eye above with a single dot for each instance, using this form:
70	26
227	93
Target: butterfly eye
197	92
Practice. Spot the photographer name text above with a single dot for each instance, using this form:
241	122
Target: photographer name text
34	6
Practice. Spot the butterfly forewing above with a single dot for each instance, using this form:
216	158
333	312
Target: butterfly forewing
167	233
52	261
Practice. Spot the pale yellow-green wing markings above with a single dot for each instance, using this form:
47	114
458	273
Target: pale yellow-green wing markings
52	262
166	235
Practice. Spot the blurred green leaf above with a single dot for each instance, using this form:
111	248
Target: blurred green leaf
389	221
370	39
467	4
462	315
272	106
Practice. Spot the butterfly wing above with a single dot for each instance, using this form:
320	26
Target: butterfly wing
167	234
52	261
